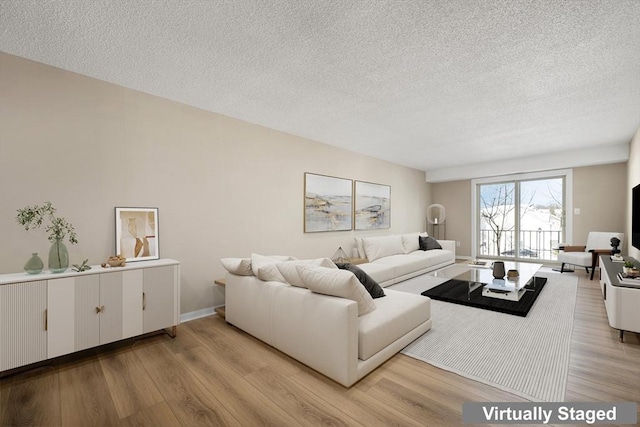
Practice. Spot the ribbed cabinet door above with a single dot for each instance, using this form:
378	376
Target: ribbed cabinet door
23	338
159	298
132	303
111	306
87	317
61	337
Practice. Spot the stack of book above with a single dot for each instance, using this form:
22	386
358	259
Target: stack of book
477	263
629	280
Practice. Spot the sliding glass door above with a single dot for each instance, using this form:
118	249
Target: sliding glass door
521	219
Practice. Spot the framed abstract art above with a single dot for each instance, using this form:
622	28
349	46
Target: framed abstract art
328	203
137	233
372	206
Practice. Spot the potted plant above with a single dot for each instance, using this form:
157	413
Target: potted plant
628	266
58	228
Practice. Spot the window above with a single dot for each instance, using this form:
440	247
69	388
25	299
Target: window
521	217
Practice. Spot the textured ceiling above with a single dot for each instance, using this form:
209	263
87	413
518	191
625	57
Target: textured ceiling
427	84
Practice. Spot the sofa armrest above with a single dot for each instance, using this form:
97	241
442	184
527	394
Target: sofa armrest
573	248
320	331
449	245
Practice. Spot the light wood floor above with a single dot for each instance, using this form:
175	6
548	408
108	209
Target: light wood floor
214	374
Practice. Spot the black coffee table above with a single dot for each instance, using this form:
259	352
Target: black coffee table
476	287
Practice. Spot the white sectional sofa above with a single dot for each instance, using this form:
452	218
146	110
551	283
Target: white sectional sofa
324	332
395	258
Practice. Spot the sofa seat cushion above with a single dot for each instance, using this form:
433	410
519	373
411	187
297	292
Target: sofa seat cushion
404	264
394	316
434	256
381	273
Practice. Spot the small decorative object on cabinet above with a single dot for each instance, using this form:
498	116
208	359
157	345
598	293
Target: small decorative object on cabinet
50	315
34	265
117	261
33	217
615	242
78	268
58	257
628	266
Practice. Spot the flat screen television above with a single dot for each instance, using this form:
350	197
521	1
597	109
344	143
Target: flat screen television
635	217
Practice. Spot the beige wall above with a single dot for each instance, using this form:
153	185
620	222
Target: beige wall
224	188
633	179
599	192
455	196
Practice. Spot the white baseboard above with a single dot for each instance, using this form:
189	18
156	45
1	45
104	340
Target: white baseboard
193	315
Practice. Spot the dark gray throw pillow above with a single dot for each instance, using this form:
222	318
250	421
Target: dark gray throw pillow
427	243
370	285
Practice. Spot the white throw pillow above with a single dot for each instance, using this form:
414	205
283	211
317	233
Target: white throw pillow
410	242
290	272
239	266
378	247
339	283
264	267
360	247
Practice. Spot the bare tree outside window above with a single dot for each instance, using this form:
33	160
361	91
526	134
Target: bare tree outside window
538	226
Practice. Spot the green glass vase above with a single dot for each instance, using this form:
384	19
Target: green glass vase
34	265
58	257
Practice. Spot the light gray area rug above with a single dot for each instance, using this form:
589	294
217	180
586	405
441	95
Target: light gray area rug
526	356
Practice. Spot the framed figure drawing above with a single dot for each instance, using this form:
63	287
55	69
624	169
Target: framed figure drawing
328	203
372	206
137	233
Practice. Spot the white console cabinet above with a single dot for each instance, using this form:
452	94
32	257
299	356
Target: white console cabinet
622	302
48	315
23	336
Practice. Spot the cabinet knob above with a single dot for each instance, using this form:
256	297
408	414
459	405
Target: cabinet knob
100	309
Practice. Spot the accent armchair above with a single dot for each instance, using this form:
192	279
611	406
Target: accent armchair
598	242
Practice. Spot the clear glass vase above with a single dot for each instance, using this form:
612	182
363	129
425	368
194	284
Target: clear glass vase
34	265
58	257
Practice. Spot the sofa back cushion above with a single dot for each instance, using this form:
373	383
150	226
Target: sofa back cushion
238	266
378	247
410	241
290	273
369	284
429	243
265	268
360	247
338	283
